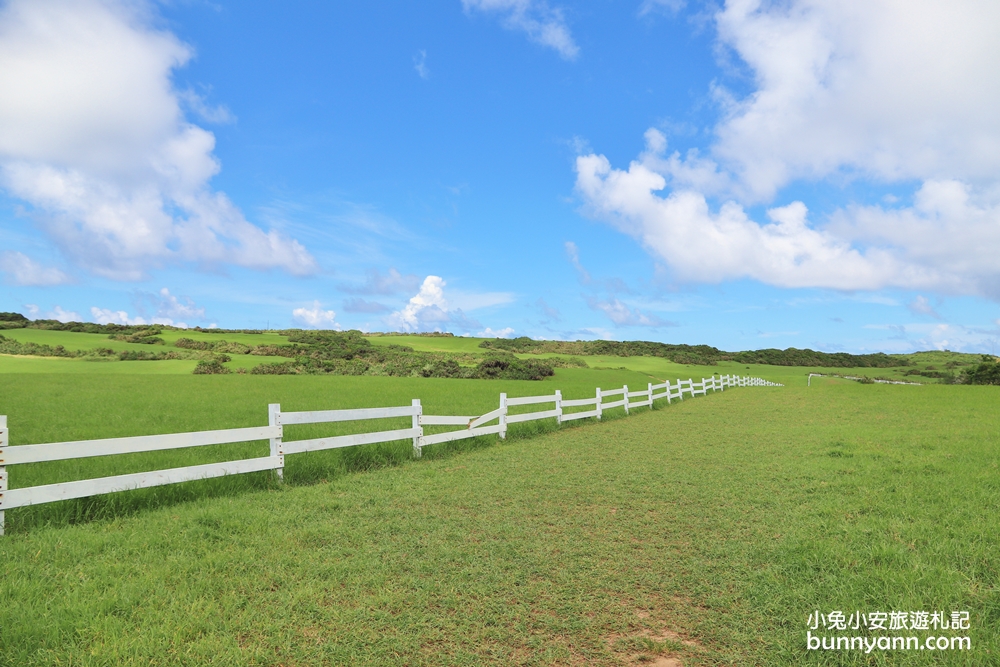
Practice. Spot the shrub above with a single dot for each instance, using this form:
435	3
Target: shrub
213	367
987	372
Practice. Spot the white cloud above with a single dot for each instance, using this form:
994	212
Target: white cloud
57	313
885	89
574	257
108	316
490	333
543	24
624	316
22	270
705	246
420	64
316	318
171	306
664	6
922	306
879	91
210	114
92	136
431	310
426	310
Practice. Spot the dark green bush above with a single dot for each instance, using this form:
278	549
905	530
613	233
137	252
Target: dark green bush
213	367
988	372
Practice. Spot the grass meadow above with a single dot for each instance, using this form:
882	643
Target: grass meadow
702	533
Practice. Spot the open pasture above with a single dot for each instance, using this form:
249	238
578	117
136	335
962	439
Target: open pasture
706	531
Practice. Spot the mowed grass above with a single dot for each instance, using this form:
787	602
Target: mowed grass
706	531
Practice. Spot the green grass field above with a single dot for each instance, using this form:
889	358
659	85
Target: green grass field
705	531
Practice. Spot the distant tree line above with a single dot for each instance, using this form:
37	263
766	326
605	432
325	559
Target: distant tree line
703	355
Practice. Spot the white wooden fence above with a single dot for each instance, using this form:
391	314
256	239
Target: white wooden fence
472	426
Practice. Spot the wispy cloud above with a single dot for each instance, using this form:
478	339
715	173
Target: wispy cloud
624	316
574	257
392	282
22	270
661	6
922	306
542	24
551	314
358	305
420	64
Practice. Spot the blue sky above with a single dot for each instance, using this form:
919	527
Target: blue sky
746	175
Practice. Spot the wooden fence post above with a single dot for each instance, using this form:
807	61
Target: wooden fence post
650	391
625	396
3	468
277	448
598	404
669	401
503	416
418	411
558	407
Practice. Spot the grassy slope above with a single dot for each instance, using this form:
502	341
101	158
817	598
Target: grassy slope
657	369
590	545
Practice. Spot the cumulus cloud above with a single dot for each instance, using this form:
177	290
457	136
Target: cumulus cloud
542	24
426	310
885	89
431	310
22	270
879	91
711	246
316	317
93	137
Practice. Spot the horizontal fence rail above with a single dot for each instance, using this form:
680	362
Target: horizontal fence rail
274	433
